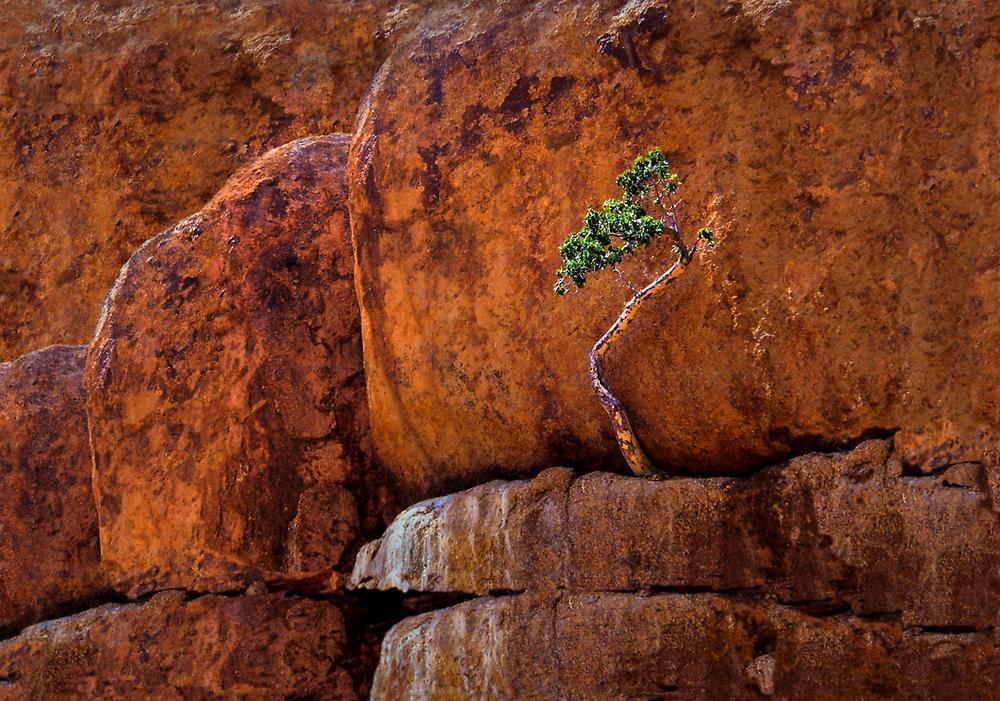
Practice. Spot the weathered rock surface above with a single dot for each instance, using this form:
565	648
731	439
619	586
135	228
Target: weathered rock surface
621	646
846	154
828	533
120	118
249	647
226	388
49	552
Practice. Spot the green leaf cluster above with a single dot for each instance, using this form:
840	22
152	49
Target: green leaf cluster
622	226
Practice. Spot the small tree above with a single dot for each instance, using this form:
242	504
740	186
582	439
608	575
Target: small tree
647	210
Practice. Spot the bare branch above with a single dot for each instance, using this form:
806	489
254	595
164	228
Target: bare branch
625	281
666	214
673	214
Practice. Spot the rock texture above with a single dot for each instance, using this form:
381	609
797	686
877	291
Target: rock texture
49	552
226	388
831	577
842	532
121	118
252	647
602	647
845	153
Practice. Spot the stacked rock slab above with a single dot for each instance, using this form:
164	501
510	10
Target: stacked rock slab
49	552
845	153
266	647
697	647
226	389
227	416
705	588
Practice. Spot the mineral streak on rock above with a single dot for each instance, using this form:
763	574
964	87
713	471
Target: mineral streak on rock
49	552
845	153
828	533
610	646
226	388
266	648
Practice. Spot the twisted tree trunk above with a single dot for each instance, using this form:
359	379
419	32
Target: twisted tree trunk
628	442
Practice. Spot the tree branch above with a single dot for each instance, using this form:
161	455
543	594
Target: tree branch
628	441
673	214
624	281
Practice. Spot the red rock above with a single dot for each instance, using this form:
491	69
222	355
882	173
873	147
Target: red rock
623	646
226	387
843	532
249	647
121	118
49	552
500	536
845	154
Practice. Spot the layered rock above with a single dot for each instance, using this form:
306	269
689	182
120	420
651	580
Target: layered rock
226	389
844	152
830	577
827	533
49	551
610	646
254	647
122	118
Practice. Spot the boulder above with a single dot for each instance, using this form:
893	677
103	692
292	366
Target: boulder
827	533
121	118
49	551
226	388
844	152
610	646
171	647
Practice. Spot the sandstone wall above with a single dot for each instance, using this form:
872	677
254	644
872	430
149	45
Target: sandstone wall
49	550
845	153
253	647
226	388
213	438
121	118
610	647
829	577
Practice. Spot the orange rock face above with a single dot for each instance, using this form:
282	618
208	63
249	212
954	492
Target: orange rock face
49	553
226	388
254	647
846	155
611	646
120	119
830	577
827	533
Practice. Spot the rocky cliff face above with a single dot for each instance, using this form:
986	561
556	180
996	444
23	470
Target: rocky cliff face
844	152
254	647
607	587
360	321
672	646
122	117
225	379
49	552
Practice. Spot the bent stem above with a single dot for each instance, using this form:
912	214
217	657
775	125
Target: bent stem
628	441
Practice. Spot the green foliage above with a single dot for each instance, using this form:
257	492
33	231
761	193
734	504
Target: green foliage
621	227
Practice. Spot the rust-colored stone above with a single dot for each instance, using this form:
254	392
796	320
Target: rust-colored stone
226	387
844	532
120	118
49	552
844	152
265	647
605	647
